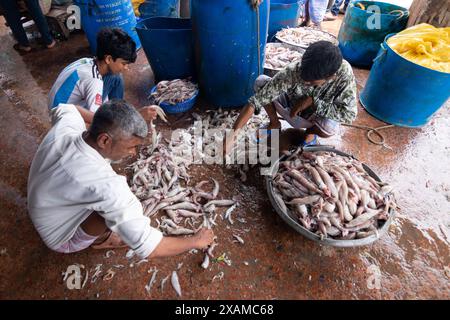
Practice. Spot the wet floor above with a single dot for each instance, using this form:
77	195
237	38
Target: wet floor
411	261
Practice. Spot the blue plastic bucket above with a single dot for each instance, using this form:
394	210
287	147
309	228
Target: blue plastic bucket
226	48
179	107
160	8
167	43
97	14
362	31
403	93
283	14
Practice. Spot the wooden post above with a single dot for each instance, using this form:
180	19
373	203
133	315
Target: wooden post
434	12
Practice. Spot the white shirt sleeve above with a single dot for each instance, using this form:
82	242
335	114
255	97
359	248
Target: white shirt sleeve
67	118
123	214
92	91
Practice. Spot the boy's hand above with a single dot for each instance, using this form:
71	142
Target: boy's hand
148	113
300	106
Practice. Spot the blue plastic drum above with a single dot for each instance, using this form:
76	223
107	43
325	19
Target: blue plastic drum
167	43
362	31
226	48
160	8
97	14
283	14
401	92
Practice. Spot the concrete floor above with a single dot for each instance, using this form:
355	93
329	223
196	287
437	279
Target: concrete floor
275	262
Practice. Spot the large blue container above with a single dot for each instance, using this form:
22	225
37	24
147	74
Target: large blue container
401	92
283	14
160	8
167	43
226	49
97	14
362	31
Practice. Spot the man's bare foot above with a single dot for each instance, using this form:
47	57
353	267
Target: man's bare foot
329	17
112	241
51	45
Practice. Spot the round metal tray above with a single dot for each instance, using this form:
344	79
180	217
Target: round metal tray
310	235
272	72
306	45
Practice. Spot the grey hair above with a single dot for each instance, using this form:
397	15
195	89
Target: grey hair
118	117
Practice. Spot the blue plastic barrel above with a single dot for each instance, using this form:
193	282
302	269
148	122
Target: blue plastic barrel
401	92
97	14
167	43
362	31
283	14
226	48
160	8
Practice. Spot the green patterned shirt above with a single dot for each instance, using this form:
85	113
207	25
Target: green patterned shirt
335	99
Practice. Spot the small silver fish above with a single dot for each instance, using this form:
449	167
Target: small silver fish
175	283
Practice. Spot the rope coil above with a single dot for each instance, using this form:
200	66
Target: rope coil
371	131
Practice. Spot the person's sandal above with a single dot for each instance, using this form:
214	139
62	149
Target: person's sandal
112	241
313	142
21	49
267	134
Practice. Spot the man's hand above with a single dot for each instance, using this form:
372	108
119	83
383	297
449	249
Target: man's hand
148	113
300	106
203	238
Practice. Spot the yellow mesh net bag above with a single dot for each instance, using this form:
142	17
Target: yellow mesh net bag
424	45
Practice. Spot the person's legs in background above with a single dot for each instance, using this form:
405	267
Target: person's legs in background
317	9
13	16
346	4
306	18
329	15
335	7
113	86
41	22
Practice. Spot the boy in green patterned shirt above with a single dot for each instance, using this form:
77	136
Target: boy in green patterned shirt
316	94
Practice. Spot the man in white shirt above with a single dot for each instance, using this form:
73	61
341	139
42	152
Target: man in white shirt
88	82
76	198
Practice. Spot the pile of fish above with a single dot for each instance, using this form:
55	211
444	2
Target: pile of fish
222	121
174	91
160	179
304	36
332	195
279	56
157	181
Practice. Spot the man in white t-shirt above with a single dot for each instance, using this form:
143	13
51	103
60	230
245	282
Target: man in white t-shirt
75	199
88	82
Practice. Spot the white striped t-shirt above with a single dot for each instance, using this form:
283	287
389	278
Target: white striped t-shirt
80	83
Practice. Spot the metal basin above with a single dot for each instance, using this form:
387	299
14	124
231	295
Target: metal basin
272	72
310	235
